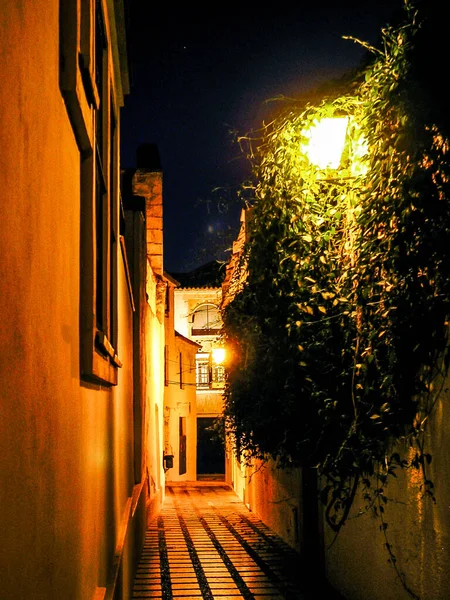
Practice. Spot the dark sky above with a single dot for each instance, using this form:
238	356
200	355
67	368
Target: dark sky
198	75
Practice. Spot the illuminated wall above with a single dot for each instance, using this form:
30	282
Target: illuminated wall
72	504
417	529
187	301
154	389
146	183
191	321
180	411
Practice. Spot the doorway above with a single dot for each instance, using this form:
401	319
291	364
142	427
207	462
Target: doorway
182	446
210	450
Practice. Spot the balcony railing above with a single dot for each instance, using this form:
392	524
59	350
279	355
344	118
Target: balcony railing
205	331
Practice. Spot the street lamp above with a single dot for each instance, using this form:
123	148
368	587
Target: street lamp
325	141
327	138
218	355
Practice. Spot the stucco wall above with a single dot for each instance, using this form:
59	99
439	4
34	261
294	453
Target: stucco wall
356	561
274	495
418	530
65	446
209	403
179	402
154	434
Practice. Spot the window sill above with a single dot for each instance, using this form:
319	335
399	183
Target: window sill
88	79
210	386
105	346
102	363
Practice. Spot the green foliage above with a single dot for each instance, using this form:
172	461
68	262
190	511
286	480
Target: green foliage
340	331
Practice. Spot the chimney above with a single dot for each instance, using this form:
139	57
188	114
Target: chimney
147	183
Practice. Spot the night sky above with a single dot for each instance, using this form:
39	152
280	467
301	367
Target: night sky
197	76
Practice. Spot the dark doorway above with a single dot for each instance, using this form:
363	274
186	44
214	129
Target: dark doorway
210	450
182	457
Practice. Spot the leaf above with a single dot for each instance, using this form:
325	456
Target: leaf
328	295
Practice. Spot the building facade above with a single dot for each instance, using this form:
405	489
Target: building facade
180	408
78	472
197	318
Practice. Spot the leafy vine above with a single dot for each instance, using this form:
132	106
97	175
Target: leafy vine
339	333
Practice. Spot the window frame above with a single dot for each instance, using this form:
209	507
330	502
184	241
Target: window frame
217	376
90	101
199	332
202	371
208	374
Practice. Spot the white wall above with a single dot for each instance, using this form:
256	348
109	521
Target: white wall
418	530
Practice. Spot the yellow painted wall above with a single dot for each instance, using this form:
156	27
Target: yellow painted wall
179	402
209	403
65	445
154	434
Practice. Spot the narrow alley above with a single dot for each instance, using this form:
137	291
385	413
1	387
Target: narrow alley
205	543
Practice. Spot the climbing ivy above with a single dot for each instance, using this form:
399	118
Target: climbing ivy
339	334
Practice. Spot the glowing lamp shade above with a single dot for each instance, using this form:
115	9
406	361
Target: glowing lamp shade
218	355
326	139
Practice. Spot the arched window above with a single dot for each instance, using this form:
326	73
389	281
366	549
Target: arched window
206	320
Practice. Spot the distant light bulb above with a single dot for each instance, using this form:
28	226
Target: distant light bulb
218	355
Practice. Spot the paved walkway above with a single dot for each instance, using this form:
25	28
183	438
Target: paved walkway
206	544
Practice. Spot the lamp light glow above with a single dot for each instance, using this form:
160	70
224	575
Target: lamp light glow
326	140
218	355
359	152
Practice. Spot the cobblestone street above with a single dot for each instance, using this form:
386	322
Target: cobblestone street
206	544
